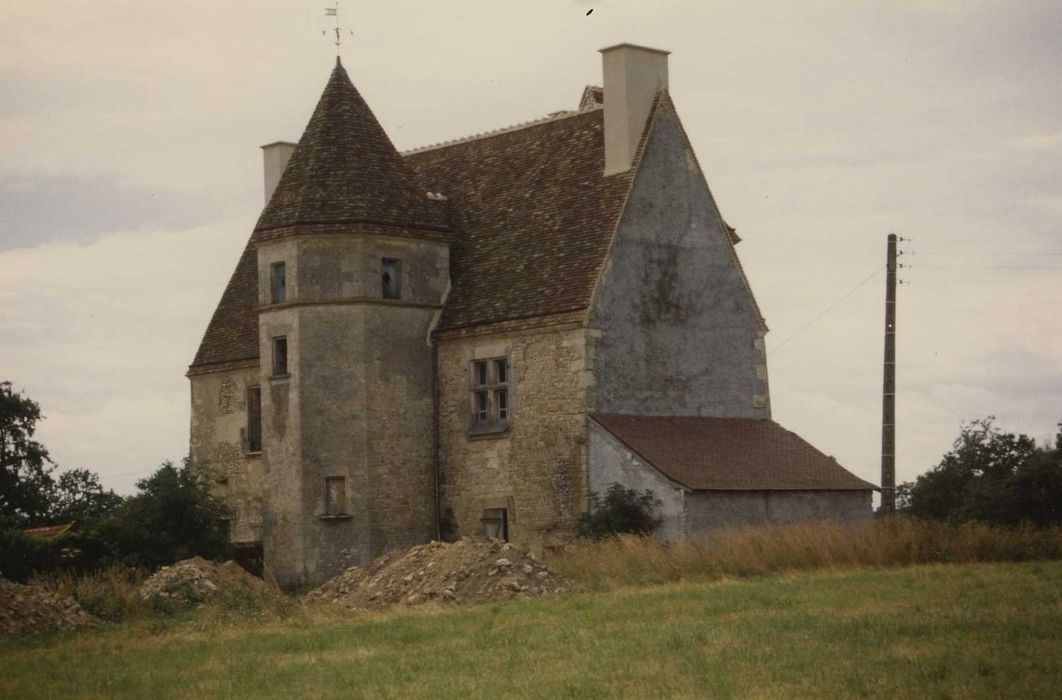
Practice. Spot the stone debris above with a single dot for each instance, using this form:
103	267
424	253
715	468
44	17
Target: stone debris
198	581
466	571
32	609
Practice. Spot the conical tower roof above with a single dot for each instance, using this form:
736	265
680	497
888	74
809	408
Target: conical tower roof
345	170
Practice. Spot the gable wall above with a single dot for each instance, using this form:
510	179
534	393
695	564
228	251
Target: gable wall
680	334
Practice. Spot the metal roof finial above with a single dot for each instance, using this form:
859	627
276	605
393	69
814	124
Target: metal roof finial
339	31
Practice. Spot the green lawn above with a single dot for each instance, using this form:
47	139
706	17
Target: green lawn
983	630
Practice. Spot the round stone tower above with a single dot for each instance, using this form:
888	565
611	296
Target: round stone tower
353	265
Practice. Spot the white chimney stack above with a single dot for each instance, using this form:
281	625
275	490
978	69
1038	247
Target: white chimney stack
632	76
275	158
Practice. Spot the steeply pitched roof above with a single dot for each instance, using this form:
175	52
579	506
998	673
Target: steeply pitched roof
232	334
346	170
533	214
730	454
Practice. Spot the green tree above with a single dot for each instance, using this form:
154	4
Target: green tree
992	476
25	467
78	495
622	510
173	517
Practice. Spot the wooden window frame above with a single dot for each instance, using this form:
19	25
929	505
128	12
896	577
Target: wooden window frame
490	395
335	509
274	343
278	287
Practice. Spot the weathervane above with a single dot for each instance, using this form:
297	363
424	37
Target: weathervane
334	12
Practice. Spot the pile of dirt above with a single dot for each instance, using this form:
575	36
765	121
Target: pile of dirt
198	581
466	571
31	609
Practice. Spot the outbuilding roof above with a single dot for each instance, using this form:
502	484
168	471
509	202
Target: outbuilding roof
730	454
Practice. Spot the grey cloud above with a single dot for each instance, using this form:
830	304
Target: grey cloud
36	211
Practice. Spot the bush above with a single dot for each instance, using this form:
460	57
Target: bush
622	511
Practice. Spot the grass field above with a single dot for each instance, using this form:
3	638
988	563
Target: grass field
971	630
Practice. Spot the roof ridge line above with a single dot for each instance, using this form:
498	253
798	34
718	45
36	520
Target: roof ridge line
497	132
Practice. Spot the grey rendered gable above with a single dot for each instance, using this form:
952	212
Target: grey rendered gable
676	329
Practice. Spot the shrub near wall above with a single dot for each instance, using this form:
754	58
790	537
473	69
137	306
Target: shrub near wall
898	541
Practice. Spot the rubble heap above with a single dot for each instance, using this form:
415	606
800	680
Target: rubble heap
197	581
32	609
466	571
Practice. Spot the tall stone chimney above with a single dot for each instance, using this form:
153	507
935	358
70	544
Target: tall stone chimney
632	75
275	158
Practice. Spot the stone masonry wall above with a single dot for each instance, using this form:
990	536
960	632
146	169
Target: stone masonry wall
219	414
356	404
680	332
714	510
535	470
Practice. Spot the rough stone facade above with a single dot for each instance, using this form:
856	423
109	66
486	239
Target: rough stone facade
218	446
535	469
681	333
709	511
356	403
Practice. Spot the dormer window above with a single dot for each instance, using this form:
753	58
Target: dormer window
392	278
278	284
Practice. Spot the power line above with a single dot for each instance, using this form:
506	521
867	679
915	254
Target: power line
827	310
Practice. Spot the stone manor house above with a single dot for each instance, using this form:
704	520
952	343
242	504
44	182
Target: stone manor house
468	338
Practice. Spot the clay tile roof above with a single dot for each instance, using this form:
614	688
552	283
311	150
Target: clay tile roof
730	454
533	216
232	334
346	170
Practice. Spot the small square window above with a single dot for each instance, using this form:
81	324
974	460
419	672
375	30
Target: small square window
335	495
280	356
392	279
496	523
278	285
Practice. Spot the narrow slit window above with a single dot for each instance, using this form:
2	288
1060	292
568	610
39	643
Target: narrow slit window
392	279
280	356
278	283
254	419
335	495
501	371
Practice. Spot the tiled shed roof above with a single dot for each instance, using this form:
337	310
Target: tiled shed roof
730	454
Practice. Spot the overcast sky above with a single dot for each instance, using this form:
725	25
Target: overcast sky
131	179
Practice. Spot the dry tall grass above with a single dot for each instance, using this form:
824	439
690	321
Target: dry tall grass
898	541
110	594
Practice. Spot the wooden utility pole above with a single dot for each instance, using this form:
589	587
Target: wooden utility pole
888	404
